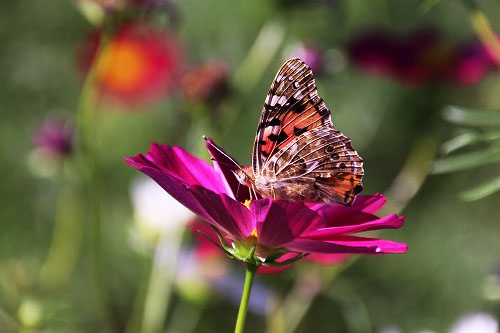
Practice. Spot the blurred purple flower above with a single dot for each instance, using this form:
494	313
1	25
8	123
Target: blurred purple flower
419	58
271	227
374	52
53	138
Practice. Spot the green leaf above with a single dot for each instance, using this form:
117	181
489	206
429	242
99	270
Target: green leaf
469	117
465	161
468	138
483	190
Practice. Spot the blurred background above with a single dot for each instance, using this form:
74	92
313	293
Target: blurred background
87	244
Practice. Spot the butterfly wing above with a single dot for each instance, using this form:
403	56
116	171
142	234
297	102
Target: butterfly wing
297	146
321	165
291	108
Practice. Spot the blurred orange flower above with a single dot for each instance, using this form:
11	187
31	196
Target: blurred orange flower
139	64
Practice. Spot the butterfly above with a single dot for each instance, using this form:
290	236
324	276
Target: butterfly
297	153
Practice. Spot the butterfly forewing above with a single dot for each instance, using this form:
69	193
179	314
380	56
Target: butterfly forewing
297	154
292	107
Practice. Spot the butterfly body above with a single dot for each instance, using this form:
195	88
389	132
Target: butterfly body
297	153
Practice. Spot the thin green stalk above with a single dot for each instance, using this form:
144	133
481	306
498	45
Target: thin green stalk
161	278
485	31
86	139
67	238
245	298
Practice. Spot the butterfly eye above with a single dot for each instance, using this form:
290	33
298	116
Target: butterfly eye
329	149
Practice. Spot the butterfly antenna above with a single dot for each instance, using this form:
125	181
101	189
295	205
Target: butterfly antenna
220	162
223	153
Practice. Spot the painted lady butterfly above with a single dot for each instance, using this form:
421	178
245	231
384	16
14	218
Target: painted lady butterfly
297	154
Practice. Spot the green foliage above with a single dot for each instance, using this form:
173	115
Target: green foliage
482	136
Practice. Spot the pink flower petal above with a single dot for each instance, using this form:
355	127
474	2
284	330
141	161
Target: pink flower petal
179	163
280	222
392	221
225	213
327	258
225	166
347	244
171	184
217	208
369	203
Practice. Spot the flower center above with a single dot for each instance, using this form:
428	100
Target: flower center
253	235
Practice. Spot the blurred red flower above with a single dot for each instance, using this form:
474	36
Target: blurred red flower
139	64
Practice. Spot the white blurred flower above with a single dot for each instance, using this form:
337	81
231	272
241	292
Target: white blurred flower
478	322
155	213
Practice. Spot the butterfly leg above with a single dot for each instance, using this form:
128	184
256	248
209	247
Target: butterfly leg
253	193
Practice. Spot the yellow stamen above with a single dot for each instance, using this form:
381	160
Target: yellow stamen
253	234
247	205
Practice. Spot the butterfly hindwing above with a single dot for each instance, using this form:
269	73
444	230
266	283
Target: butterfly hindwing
323	159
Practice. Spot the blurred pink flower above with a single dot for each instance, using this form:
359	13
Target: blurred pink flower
471	65
311	54
374	52
53	138
264	229
139	64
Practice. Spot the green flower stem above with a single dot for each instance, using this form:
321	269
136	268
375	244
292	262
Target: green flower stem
245	297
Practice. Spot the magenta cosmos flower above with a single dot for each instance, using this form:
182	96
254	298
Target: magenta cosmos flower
261	231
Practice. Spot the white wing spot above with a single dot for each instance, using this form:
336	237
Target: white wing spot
312	165
298	95
274	100
282	100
